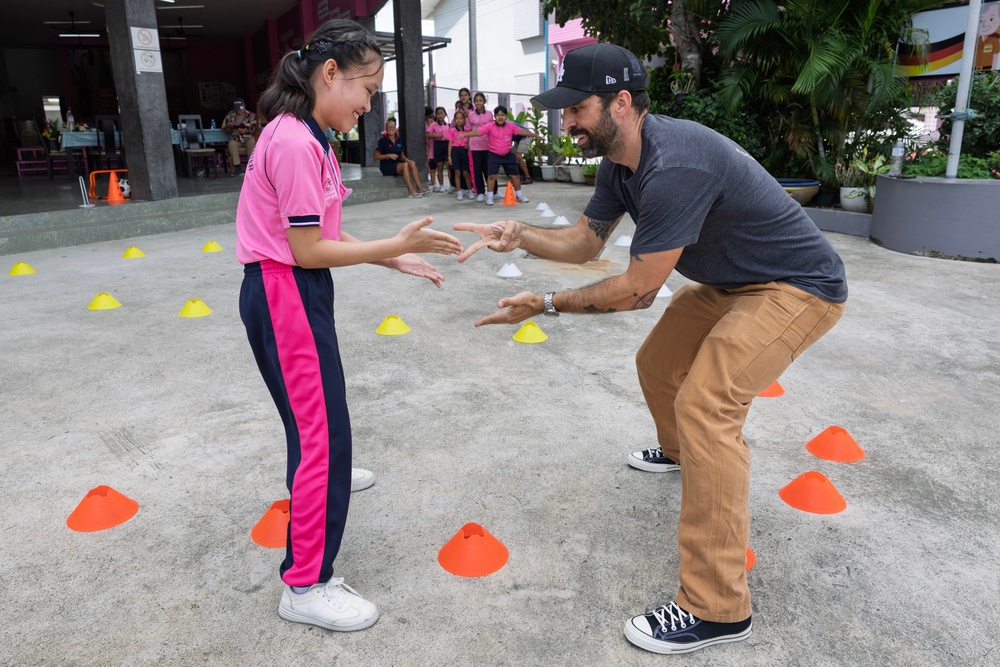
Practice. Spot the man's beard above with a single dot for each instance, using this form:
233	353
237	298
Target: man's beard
600	139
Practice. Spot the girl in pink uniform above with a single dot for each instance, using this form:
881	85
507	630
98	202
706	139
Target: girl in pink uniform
288	225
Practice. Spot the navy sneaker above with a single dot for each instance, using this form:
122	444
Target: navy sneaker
652	460
670	629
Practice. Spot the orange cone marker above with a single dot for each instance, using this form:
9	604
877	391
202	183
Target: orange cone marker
473	552
772	391
272	529
751	559
114	192
508	196
813	492
836	444
101	508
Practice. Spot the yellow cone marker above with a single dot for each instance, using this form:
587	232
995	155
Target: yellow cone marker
212	246
132	253
103	301
195	308
20	269
393	325
530	333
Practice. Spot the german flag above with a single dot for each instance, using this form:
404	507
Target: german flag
939	54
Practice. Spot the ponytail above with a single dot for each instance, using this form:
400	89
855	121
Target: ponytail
291	91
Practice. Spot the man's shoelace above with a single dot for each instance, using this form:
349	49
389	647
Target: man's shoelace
654	453
675	614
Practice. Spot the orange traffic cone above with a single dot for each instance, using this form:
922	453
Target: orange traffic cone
751	559
836	444
772	391
813	492
508	195
101	508
272	529
473	552
114	192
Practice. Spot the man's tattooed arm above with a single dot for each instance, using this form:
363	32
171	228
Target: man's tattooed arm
603	228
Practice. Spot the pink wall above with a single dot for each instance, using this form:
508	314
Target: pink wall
568	37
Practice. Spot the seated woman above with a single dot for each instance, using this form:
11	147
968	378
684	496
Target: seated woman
392	160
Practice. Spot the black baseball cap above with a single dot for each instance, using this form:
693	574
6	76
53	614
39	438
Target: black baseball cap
598	68
238	103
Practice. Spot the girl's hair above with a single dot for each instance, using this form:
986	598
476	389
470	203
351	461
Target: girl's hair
464	90
443	110
291	91
454	119
390	120
478	95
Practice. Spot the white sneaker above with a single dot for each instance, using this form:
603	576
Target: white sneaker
333	605
361	479
479	197
522	199
489	201
461	195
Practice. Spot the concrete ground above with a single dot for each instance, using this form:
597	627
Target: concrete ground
464	425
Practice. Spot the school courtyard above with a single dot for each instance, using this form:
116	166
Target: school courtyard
465	425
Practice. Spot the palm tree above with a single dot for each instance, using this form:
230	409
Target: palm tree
821	69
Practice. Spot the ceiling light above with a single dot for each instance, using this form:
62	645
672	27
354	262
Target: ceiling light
181	7
81	34
64	22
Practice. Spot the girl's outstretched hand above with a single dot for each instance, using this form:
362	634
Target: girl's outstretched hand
500	236
416	266
415	237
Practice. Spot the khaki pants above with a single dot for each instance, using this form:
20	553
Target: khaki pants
700	367
234	149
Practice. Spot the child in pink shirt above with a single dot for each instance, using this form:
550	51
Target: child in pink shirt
458	155
498	135
289	235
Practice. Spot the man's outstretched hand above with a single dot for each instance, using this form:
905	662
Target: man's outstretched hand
500	236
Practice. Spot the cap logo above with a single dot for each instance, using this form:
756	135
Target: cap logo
625	73
609	80
562	70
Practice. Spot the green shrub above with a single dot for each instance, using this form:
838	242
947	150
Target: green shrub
981	135
933	162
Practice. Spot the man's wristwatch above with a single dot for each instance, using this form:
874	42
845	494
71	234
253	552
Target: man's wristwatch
550	310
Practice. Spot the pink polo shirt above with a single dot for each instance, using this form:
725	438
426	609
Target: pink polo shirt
292	180
455	141
474	121
499	136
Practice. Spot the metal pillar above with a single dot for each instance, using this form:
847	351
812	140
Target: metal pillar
964	84
473	53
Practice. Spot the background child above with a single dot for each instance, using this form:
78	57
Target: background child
478	146
432	133
440	130
498	135
288	226
458	156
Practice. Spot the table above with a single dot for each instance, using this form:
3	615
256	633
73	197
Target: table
71	141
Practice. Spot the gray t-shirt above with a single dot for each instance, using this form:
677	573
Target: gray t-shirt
696	189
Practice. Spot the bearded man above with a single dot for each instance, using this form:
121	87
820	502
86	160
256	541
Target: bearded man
766	285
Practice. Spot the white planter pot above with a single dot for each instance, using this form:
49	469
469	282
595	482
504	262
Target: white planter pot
576	173
548	172
853	204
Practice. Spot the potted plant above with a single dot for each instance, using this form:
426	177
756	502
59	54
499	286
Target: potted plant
51	134
853	187
537	153
590	173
